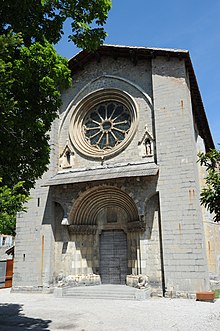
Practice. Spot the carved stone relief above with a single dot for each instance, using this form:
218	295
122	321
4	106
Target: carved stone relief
67	156
145	145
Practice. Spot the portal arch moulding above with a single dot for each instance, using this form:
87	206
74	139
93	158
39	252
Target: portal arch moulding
108	203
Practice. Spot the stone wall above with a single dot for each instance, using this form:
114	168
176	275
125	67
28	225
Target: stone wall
185	263
172	246
110	74
34	231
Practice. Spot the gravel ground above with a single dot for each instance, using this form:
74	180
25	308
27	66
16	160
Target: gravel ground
45	312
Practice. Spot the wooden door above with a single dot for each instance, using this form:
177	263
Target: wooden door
9	273
113	257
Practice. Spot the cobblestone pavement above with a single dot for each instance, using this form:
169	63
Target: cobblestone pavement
45	312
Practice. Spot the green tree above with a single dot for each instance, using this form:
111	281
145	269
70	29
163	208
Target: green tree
32	76
11	202
30	82
210	195
40	19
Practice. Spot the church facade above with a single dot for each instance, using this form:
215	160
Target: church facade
121	196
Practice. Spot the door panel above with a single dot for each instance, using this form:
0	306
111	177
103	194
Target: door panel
9	273
113	257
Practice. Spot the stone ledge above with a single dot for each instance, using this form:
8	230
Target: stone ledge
104	172
180	295
27	289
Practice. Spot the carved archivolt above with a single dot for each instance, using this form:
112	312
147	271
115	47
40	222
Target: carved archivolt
104	123
83	216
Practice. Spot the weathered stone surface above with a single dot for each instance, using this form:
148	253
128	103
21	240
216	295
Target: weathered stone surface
150	189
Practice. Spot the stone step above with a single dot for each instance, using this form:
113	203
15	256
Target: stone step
101	296
111	292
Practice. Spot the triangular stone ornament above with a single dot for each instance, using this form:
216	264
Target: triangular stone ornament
145	144
66	159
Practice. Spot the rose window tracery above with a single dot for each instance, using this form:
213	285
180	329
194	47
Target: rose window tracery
103	123
107	125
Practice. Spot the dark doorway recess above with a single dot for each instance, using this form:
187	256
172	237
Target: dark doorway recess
113	257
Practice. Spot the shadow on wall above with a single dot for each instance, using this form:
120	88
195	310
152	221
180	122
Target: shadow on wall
151	207
12	318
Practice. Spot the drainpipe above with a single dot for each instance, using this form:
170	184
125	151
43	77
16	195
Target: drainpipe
161	248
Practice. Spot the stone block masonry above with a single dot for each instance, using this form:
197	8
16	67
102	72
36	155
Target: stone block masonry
178	182
135	178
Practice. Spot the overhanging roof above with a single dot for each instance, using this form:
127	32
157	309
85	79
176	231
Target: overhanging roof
79	61
104	173
10	250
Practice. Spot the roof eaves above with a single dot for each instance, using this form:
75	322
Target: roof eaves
198	107
77	62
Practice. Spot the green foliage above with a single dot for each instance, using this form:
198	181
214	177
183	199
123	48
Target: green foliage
39	19
30	82
210	195
11	202
217	294
32	76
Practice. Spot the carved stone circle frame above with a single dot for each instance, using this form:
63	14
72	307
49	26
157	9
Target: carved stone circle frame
103	123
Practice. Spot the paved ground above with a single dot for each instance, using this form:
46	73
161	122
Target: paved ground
45	312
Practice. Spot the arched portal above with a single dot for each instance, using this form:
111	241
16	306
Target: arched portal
105	216
87	207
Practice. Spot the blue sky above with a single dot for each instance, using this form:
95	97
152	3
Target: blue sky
191	24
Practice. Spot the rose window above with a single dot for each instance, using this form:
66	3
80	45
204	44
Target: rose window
107	125
103	123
